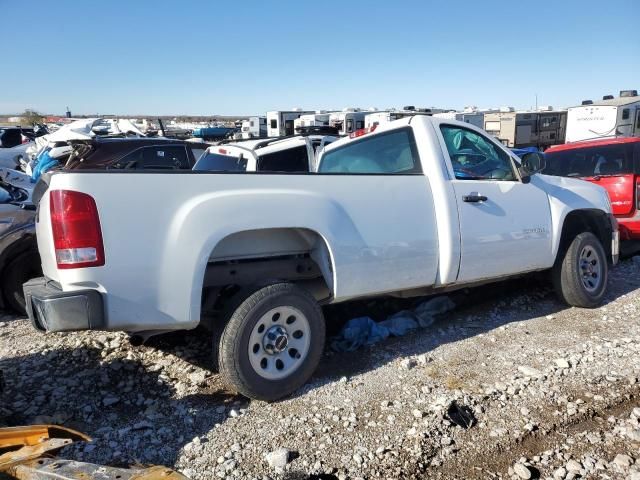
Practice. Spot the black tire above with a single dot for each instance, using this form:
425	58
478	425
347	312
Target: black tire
233	357
569	278
21	269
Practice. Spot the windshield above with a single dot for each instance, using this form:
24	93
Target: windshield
593	161
215	162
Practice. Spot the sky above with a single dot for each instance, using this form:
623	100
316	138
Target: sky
244	58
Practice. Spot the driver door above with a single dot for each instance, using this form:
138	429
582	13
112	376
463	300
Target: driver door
505	224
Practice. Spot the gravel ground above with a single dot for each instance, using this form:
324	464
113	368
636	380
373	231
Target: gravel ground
514	385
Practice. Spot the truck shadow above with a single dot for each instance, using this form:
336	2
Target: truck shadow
478	311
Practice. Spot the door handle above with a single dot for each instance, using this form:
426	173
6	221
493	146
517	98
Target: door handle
474	197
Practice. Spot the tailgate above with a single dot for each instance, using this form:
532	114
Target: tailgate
621	190
43	228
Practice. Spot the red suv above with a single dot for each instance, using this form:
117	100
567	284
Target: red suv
613	163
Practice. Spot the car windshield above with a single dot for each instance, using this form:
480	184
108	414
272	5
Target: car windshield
601	160
215	162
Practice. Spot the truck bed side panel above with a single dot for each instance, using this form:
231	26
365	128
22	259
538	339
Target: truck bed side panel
161	229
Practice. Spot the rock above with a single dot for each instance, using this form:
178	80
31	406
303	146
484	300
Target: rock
560	473
522	471
573	466
446	441
623	460
561	363
108	401
408	363
198	378
529	371
279	458
357	458
417	413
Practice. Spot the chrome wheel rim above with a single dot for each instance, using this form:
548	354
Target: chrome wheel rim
590	267
279	342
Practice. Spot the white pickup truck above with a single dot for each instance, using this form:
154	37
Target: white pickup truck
418	206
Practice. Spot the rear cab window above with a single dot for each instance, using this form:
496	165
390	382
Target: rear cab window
392	152
220	159
289	160
599	160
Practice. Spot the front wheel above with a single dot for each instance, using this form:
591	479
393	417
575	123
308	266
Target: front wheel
272	343
580	276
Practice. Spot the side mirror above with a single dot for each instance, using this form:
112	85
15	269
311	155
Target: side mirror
532	162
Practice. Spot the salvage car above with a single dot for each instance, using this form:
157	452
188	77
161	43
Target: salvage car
612	163
417	206
19	259
134	152
292	154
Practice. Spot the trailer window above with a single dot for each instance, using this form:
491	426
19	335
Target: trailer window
274	123
625	114
592	161
392	152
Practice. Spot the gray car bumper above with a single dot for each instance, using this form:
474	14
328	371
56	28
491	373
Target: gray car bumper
52	310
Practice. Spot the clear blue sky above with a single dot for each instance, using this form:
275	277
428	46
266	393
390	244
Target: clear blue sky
214	57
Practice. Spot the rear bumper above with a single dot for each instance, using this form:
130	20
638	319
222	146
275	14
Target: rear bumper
52	310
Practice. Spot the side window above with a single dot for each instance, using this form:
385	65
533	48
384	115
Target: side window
625	114
198	152
274	123
359	124
164	158
289	160
390	152
475	157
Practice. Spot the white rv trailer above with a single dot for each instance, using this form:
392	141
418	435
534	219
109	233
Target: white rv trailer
319	119
280	122
348	120
254	127
609	117
474	118
377	118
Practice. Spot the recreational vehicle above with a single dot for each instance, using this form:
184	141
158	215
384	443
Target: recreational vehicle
377	118
254	127
280	122
348	121
526	129
609	117
474	118
320	119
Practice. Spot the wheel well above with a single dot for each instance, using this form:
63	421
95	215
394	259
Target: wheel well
253	257
18	247
579	221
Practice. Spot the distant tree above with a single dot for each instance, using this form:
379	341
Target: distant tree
31	117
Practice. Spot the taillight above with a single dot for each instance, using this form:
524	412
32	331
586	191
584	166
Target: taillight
77	236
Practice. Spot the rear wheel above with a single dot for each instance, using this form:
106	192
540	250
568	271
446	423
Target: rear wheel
20	270
580	276
272	343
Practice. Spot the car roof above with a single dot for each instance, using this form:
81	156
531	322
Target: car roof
592	143
142	140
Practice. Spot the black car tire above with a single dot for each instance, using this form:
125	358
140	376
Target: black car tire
21	269
234	360
573	283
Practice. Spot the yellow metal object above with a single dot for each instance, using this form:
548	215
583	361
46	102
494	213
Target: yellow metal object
25	454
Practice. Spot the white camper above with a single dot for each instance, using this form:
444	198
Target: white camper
280	122
254	127
609	117
377	118
348	120
319	119
474	118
